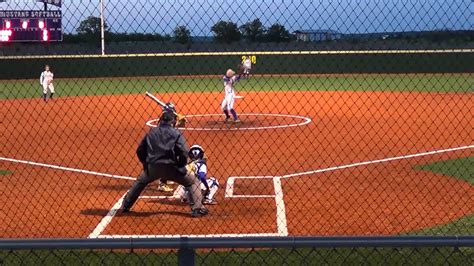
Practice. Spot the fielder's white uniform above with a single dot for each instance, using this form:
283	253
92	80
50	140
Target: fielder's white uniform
229	98
247	66
46	80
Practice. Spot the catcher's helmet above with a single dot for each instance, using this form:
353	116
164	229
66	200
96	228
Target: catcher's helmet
169	113
196	152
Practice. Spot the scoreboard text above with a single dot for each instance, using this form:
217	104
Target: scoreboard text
30	26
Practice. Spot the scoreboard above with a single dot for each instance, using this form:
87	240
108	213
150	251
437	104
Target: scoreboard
30	26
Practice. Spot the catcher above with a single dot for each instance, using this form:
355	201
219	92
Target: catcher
198	166
163	153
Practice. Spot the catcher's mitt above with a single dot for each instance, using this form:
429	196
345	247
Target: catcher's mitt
191	168
240	69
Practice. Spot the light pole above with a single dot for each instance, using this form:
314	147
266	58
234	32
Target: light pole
102	27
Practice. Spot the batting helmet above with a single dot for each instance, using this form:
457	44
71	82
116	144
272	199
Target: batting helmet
169	113
196	152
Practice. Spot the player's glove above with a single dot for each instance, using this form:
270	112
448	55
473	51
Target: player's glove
240	69
191	168
180	120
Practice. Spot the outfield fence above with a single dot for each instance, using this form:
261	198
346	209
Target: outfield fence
345	136
275	63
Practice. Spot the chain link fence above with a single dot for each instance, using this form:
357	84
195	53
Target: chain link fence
313	118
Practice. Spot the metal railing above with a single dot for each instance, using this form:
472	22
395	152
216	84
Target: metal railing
188	251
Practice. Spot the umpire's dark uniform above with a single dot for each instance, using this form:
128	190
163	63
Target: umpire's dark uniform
163	153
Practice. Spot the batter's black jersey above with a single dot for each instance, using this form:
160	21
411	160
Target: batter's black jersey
163	145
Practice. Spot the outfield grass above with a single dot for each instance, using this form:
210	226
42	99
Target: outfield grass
4	172
462	169
460	83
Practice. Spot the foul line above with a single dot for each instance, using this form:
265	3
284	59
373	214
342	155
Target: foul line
378	161
107	218
64	168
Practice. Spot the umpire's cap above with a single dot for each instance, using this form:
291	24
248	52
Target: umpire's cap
169	113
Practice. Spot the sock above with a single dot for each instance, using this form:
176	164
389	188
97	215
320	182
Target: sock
44	96
234	114
227	116
51	96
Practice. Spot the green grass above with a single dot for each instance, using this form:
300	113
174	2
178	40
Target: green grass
462	169
460	83
4	172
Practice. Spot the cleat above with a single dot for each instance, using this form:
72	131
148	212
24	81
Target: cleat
199	212
237	121
165	188
209	202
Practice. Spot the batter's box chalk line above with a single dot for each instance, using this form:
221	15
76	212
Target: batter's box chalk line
281	221
230	185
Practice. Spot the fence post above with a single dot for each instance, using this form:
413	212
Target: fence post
186	255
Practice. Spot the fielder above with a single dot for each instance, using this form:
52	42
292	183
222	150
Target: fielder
247	67
46	80
198	165
227	106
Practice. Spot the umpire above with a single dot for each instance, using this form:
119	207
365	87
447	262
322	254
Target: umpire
163	153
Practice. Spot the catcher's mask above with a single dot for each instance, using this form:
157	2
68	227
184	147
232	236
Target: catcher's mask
169	113
196	152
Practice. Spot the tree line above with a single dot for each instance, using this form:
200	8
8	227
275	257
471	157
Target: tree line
223	31
252	31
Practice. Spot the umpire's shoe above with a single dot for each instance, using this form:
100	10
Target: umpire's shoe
200	212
